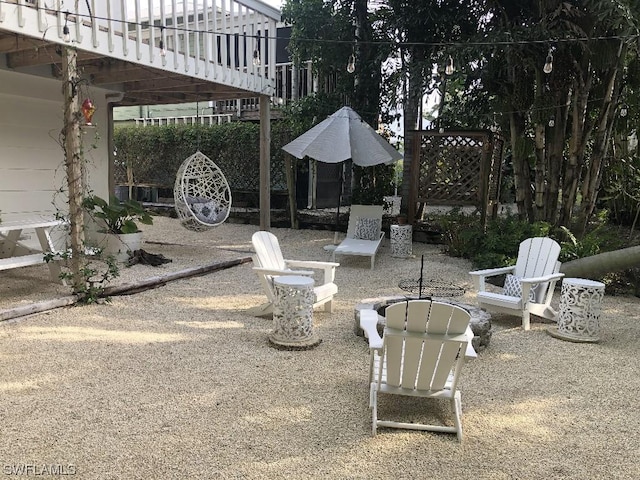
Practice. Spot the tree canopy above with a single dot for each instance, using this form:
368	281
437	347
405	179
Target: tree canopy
552	76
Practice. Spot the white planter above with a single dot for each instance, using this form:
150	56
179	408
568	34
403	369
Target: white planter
119	245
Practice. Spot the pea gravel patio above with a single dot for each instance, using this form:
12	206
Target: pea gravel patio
180	382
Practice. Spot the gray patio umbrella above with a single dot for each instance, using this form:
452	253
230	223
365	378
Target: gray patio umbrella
343	136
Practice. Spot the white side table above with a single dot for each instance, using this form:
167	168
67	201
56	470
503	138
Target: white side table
293	312
580	305
401	241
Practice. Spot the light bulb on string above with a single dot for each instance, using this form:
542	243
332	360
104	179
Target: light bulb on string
66	34
548	64
552	122
256	58
449	69
351	66
624	110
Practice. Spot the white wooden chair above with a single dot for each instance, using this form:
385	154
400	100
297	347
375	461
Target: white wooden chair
268	263
364	232
529	284
420	354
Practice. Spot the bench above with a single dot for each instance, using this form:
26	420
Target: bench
14	254
21	261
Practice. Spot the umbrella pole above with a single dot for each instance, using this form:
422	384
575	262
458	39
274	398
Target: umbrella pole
335	235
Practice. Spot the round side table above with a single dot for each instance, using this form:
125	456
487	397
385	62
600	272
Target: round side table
580	305
293	313
401	240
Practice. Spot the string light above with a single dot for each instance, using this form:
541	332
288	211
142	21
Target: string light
66	35
256	58
552	122
449	69
548	64
351	66
624	110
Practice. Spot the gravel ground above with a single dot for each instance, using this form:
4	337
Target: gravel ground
180	381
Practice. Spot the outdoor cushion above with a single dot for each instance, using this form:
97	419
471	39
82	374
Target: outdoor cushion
205	212
367	228
513	287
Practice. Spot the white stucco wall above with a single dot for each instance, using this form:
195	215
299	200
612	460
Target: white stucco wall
32	169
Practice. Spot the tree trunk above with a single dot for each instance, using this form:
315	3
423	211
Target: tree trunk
540	171
556	157
521	176
596	265
602	136
575	160
74	165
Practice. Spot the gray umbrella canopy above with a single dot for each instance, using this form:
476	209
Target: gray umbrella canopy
342	136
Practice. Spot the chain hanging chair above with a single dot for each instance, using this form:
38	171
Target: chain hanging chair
201	193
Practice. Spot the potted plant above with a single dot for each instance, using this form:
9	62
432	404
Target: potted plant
118	222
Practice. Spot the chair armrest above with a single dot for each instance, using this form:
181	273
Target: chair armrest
271	271
328	267
311	264
369	323
543	279
492	272
480	275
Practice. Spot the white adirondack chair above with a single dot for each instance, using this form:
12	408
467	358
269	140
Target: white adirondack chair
421	353
364	232
529	290
269	263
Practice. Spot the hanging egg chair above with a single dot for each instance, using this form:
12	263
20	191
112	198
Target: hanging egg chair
201	193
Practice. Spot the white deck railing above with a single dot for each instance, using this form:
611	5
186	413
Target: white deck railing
215	119
226	41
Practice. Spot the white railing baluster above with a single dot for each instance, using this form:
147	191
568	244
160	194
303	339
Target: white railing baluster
78	20
244	41
206	35
42	24
20	14
234	45
272	30
176	36
213	37
152	28
125	28
196	36
94	25
225	39
110	26
185	36
138	30
163	34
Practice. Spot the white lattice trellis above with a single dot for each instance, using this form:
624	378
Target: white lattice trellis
201	193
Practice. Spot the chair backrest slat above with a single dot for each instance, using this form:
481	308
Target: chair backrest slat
537	257
268	250
422	343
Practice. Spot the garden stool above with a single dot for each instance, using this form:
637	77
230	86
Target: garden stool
293	313
580	304
401	240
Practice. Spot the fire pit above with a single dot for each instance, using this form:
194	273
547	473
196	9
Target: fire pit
480	319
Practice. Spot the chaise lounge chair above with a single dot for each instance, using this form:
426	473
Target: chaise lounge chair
364	232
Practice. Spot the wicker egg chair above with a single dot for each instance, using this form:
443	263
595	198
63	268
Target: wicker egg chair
201	193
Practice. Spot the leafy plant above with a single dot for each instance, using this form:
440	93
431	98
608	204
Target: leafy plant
118	217
95	276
